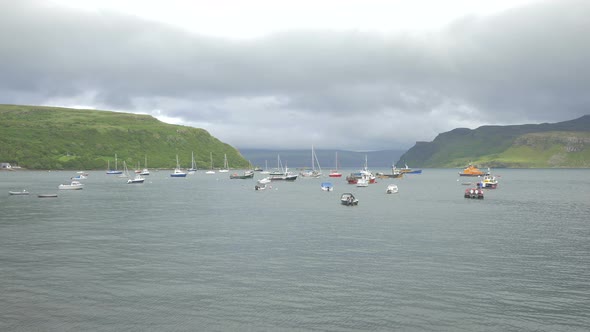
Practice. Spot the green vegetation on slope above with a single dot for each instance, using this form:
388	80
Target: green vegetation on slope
38	137
563	144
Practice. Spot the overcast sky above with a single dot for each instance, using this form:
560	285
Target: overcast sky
348	74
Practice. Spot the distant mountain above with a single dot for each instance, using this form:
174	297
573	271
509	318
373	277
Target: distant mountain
327	158
38	137
546	145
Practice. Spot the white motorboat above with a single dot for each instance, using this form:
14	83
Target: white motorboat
74	185
391	189
348	199
16	193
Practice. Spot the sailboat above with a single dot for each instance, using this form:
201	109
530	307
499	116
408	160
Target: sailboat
265	171
282	174
334	173
136	180
225	168
113	171
145	170
313	173
178	173
193	168
211	171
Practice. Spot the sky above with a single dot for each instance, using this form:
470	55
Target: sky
352	74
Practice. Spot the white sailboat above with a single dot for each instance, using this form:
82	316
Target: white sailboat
225	168
145	170
178	173
265	171
136	180
193	168
211	171
313	173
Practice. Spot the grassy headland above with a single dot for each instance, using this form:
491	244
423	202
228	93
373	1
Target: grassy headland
39	137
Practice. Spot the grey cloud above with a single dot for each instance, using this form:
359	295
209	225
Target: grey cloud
347	89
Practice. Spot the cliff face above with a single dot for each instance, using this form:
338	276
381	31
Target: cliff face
563	144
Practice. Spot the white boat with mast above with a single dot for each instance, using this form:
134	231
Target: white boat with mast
210	171
193	168
145	170
313	173
225	168
178	173
282	174
265	171
136	180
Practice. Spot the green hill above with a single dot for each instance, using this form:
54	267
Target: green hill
563	144
38	137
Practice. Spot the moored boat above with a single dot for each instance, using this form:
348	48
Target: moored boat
364	173
471	170
115	170
488	182
407	170
473	193
327	186
47	195
17	193
391	189
249	174
178	173
348	199
74	185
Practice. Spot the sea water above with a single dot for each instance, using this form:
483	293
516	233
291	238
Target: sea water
209	253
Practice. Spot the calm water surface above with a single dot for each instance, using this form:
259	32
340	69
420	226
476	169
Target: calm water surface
212	254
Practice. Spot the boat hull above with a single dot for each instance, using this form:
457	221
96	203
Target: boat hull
476	193
18	193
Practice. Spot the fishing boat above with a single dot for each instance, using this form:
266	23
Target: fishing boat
391	189
353	178
407	170
74	185
335	173
18	193
327	186
178	173
488	182
471	170
348	199
395	173
248	174
115	170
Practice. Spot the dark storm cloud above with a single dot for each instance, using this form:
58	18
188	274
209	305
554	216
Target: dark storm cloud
346	89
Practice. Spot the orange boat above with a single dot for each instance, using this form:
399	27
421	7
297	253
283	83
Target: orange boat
471	171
